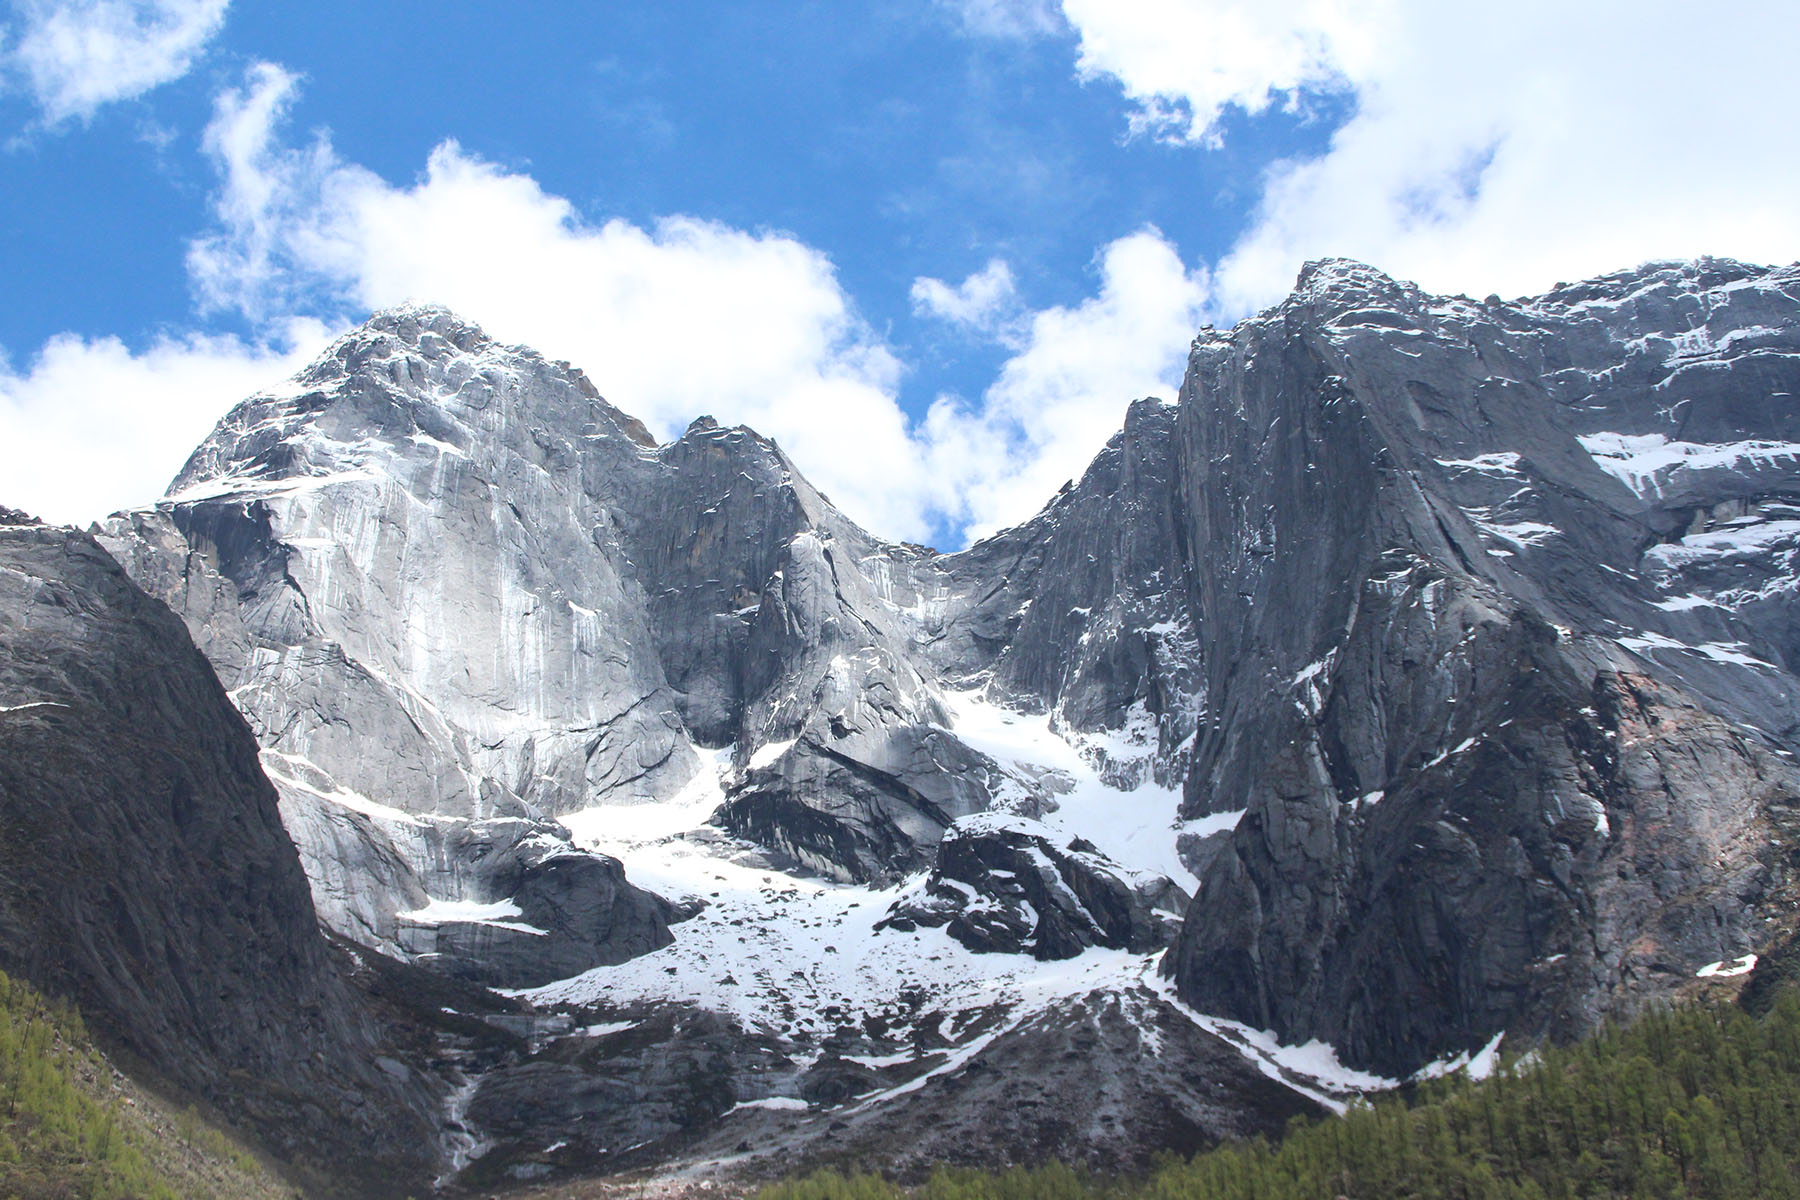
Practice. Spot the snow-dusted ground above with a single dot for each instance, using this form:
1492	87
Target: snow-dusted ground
775	950
799	958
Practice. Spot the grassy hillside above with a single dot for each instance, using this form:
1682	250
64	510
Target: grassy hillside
73	1128
1700	1101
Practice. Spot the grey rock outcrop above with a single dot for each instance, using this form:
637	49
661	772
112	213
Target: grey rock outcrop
448	585
1003	884
144	874
428	667
566	911
1085	610
1502	763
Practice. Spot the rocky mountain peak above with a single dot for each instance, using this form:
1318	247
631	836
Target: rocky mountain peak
1334	285
1431	645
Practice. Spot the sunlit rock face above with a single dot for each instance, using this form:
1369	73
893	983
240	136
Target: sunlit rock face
430	623
452	588
1497	604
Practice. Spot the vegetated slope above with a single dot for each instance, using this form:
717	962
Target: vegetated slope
144	873
1700	1100
73	1126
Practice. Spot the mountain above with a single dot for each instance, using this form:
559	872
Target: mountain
1498	651
1438	649
144	874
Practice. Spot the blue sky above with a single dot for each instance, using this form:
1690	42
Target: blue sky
932	247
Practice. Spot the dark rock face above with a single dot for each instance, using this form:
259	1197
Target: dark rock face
144	872
1504	761
621	1098
1085	609
1104	1080
1002	884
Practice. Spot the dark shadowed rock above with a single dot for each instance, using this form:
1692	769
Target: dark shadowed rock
1003	884
1495	772
565	911
144	873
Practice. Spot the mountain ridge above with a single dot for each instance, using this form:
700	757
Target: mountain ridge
1436	647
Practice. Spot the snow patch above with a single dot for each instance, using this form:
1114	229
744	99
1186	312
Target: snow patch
6	708
1135	829
1724	652
1311	1068
775	1103
471	912
1500	463
1645	463
1724	970
1212	823
605	1029
766	755
1476	1064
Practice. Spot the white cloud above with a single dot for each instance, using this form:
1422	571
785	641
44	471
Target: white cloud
673	320
689	317
986	303
1005	18
1492	147
76	55
89	427
1065	392
1183	64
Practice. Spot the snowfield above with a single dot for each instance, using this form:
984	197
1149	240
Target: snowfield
799	958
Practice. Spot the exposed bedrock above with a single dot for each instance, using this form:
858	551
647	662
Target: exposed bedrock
1499	767
1004	884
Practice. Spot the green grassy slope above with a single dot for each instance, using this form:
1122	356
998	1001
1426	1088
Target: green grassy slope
73	1128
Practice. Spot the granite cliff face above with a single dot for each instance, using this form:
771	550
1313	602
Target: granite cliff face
144	875
1440	650
457	552
1495	600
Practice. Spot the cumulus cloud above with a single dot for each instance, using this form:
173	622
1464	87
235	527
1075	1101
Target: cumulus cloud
1183	63
986	303
1492	147
74	56
1064	392
672	320
681	318
88	427
1004	18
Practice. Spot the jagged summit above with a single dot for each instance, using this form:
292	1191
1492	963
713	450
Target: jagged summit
1335	276
417	374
